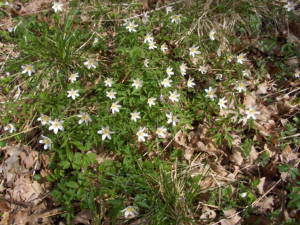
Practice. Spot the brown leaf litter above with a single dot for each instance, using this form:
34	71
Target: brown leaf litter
22	199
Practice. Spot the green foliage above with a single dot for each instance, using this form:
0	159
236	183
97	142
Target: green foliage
146	174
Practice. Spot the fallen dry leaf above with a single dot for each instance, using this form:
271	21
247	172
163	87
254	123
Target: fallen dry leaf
188	153
253	155
288	155
237	157
25	190
266	204
83	217
208	214
261	184
262	88
232	216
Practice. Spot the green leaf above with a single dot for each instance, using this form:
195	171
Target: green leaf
72	184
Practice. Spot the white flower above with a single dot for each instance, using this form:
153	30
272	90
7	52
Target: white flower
46	142
148	38
211	92
172	119
152	45
130	26
84	117
56	125
241	86
246	73
10	128
115	107
174	96
194	51
176	19
73	77
28	69
146	63
222	103
95	42
142	134
111	94
183	69
203	69
290	6
169	71
108	82
57	6
106	133
169	9
44	119
135	116
137	83
212	34
190	83
12	29
91	63
241	58
151	101
130	212
251	113
244	194
164	48
297	73
161	132
145	18
166	82
73	94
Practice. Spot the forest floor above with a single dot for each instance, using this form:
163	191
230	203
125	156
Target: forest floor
184	113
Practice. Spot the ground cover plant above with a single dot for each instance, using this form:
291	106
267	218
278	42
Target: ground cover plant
184	113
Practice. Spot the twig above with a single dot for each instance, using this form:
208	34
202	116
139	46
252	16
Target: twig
293	91
22	132
291	136
264	195
85	43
